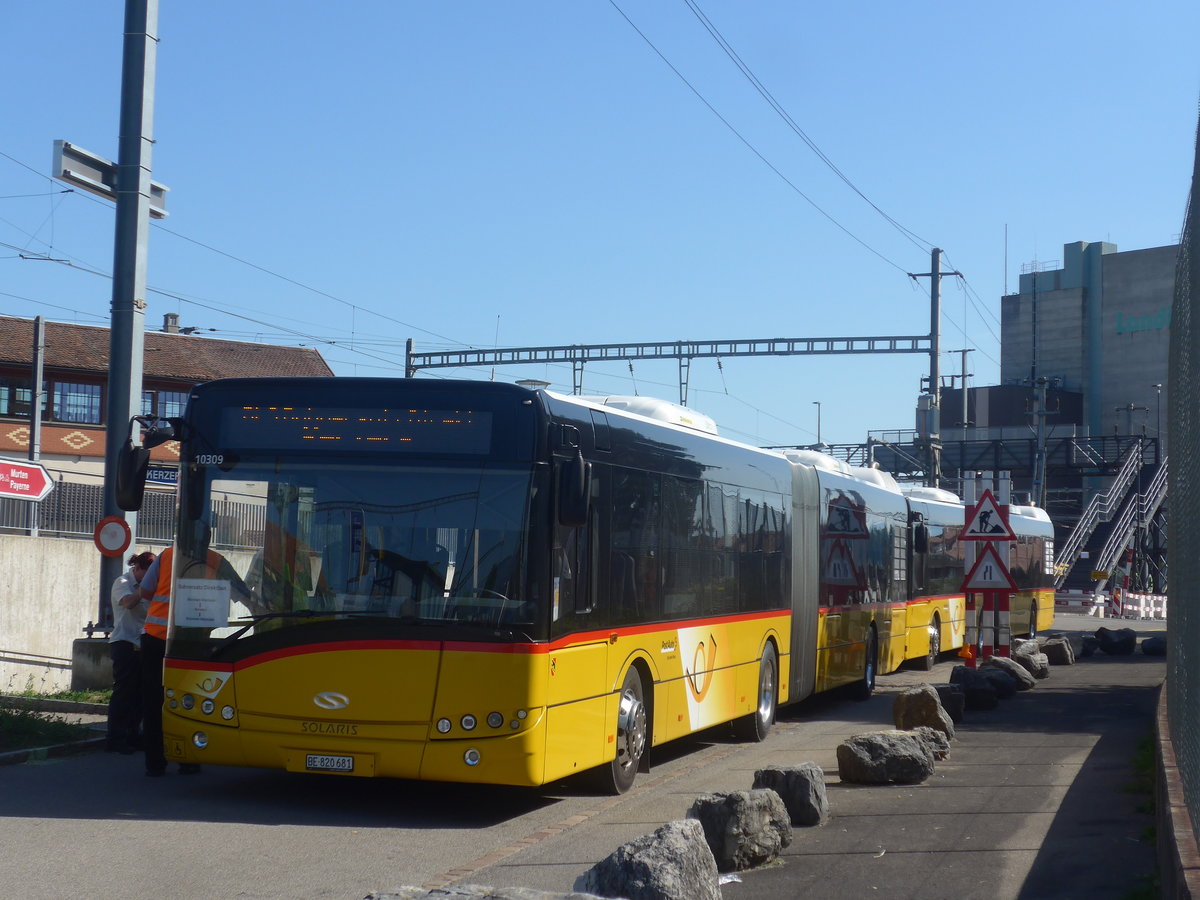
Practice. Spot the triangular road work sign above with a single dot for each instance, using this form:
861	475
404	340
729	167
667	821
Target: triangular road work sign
989	573
987	520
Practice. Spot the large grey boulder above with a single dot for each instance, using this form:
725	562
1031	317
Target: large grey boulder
1119	642
1004	683
954	702
1058	651
884	757
921	705
1022	676
978	692
744	829
1155	646
802	789
475	892
1030	656
935	741
673	863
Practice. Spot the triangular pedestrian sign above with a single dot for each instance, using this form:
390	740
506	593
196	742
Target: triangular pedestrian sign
989	573
987	520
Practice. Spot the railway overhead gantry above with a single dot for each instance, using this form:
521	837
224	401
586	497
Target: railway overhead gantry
683	351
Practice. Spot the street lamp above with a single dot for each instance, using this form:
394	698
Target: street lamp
817	404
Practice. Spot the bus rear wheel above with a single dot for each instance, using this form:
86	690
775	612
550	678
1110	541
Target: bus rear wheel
865	688
757	725
632	733
929	660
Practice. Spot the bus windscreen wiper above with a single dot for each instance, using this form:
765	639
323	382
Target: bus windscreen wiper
254	620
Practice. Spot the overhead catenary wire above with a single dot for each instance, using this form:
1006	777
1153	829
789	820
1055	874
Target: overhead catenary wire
791	184
911	236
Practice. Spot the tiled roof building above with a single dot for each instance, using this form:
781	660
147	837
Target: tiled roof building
75	377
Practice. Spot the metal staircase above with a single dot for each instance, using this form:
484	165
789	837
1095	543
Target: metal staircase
1100	509
1123	509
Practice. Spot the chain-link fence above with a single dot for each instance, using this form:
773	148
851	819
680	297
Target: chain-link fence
1183	677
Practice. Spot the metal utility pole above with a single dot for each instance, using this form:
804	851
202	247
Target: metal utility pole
935	273
817	404
1039	458
127	331
36	393
965	410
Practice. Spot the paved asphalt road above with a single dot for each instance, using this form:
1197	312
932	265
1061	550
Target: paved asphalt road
1033	802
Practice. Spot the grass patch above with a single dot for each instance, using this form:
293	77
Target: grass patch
75	696
21	729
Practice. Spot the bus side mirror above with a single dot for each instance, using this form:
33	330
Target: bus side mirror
921	538
131	475
132	461
156	431
574	491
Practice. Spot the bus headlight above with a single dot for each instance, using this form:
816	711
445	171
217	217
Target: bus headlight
468	722
444	726
226	713
207	707
471	757
200	739
188	701
495	720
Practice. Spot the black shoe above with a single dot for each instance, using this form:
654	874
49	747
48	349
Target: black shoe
189	769
156	773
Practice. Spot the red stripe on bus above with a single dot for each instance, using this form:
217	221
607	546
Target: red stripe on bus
469	646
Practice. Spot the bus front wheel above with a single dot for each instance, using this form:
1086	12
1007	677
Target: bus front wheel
757	725
632	734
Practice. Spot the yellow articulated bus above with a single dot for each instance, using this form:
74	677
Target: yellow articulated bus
477	582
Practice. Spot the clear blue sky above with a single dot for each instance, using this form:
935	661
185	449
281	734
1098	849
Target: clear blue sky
538	172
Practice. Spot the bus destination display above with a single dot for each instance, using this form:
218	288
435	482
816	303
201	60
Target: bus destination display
453	431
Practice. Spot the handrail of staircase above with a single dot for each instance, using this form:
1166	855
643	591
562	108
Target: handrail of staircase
1141	508
1099	509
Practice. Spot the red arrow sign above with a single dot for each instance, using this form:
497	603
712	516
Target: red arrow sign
24	480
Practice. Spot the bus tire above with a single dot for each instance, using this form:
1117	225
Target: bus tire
866	687
756	726
632	733
929	660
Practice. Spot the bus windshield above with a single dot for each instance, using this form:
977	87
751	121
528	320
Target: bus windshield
309	543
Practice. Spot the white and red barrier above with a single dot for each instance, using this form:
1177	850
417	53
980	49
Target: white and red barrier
1136	605
1120	604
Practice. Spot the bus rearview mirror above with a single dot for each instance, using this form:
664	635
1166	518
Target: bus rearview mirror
574	491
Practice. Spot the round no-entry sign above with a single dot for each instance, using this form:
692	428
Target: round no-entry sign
112	536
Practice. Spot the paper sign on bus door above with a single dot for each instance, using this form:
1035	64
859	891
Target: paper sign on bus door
987	520
989	573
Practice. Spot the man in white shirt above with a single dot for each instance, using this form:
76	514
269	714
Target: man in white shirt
129	613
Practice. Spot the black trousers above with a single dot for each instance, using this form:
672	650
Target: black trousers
154	651
125	707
